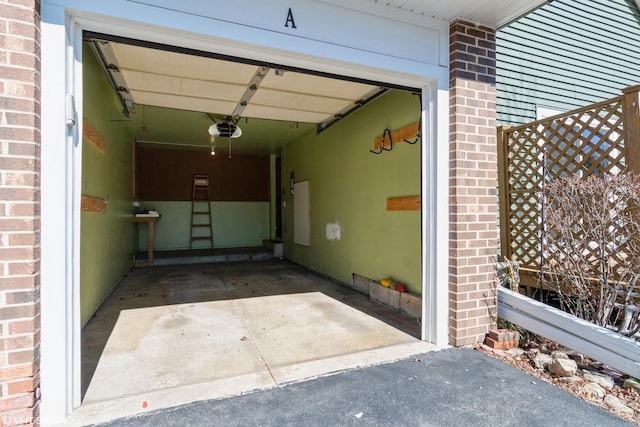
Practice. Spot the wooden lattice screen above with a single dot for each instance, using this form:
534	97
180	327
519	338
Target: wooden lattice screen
602	138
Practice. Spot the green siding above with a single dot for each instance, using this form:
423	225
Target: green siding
350	186
565	55
107	240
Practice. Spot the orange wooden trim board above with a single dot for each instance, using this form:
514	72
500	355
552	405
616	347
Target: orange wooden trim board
91	135
409	203
92	204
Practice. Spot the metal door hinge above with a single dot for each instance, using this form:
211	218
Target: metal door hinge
70	110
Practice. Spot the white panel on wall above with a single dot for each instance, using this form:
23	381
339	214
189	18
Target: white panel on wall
301	214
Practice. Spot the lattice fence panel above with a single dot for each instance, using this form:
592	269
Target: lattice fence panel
587	141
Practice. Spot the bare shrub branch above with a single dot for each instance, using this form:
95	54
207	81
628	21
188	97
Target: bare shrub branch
592	248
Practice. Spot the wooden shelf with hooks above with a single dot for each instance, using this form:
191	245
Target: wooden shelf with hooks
408	132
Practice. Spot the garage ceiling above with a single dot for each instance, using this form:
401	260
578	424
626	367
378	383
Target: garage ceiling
177	80
157	86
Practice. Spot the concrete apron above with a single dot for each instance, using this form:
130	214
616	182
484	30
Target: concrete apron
172	335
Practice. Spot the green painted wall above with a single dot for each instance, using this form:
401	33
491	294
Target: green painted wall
235	224
350	186
107	240
565	55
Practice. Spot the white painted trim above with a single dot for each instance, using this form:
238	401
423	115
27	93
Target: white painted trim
441	212
426	155
543	112
61	173
236	33
395	13
58	229
435	215
403	16
603	345
74	65
413	78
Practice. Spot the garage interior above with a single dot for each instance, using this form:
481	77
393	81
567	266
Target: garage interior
147	114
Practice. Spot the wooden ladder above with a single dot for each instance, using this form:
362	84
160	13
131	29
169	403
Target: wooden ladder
201	227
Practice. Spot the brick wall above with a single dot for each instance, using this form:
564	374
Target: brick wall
472	182
19	211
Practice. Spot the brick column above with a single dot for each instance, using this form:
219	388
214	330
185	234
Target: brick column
472	181
19	211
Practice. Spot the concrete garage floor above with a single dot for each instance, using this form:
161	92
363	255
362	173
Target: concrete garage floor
177	334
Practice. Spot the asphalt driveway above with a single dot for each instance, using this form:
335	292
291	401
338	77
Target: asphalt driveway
453	387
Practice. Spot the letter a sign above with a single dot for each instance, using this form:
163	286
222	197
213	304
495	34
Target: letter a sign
290	20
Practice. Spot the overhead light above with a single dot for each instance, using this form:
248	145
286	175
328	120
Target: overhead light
225	129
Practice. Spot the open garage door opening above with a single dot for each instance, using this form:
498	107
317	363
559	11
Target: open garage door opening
323	172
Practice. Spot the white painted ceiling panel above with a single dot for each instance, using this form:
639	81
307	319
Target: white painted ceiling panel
304	83
214	90
183	102
273	113
182	65
298	101
147	82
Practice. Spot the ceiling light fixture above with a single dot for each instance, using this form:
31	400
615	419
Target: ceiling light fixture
226	129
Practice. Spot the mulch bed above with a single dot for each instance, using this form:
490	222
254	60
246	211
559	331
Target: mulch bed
628	396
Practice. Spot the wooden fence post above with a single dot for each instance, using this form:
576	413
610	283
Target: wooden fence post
632	128
503	191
